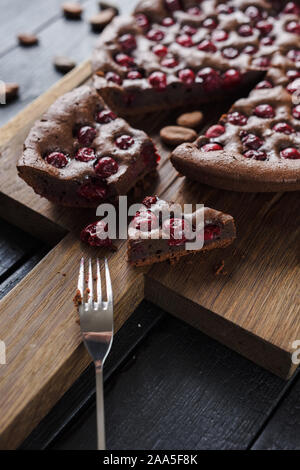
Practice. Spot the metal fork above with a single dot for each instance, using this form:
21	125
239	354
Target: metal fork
96	322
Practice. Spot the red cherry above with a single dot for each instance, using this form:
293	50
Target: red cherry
57	159
294	55
264	111
86	135
187	76
169	62
211	147
252	141
194	11
283	128
207	46
250	49
134	75
256	154
220	35
211	232
150	155
158	80
264	27
245	30
96	235
142	21
210	23
149	201
296	111
124	60
177	230
267	41
293	74
105	167
167	22
173	5
294	86
105	116
93	191
128	42
262	62
230	52
215	131
124	142
225	9
292	8
113	77
236	118
145	220
253	12
189	30
290	153
264	84
293	27
185	40
155	35
85	154
160	50
231	77
210	79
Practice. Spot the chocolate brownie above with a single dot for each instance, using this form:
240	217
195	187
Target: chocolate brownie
171	53
80	153
256	145
158	231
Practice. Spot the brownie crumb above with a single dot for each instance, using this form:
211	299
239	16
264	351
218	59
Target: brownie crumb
78	298
63	64
27	39
72	10
219	269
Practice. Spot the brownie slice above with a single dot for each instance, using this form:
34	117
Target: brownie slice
172	53
256	145
80	153
158	232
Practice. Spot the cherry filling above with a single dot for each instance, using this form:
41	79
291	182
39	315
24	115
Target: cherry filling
296	111
149	201
160	50
134	75
185	40
225	9
105	116
114	77
177	230
173	5
236	118
155	35
187	76
150	155
264	84
169	62
265	27
195	11
168	21
86	135
220	35
293	74
293	27
213	147
210	79
262	62
142	21
158	80
283	128
211	232
127	42
292	8
215	131
188	29
124	60
252	141
145	221
57	159
256	154
230	52
210	23
124	142
290	153
93	191
96	235
267	41
264	111
207	46
294	55
245	30
105	167
253	12
85	154
250	49
231	77
294	86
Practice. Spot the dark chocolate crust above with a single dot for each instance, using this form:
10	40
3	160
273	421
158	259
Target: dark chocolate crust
55	132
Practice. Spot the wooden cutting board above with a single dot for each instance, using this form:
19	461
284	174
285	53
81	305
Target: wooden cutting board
253	306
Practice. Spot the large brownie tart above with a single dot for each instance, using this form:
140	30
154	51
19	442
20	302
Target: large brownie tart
175	52
256	146
81	154
158	232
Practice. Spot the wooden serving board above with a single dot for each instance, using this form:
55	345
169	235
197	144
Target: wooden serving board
253	308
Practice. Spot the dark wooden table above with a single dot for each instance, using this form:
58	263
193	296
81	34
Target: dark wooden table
167	386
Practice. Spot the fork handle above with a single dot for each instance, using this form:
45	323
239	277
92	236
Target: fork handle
100	408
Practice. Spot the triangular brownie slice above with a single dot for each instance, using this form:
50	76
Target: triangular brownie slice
80	153
256	145
159	232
